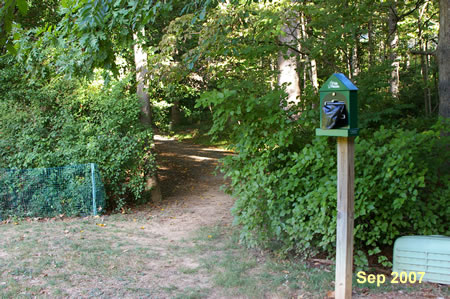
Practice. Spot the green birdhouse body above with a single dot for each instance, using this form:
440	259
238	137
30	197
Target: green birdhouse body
338	93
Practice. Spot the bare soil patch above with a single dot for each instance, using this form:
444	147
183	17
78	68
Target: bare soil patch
190	186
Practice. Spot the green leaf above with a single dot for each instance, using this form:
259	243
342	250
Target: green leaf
11	49
23	6
202	14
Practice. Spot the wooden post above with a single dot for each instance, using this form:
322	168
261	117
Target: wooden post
345	217
94	191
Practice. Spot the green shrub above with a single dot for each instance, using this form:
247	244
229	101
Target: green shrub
164	97
285	180
290	196
63	121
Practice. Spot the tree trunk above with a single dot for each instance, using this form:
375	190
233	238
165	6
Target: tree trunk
427	92
314	78
443	52
348	56
140	59
424	63
370	43
311	64
175	115
393	50
355	58
287	62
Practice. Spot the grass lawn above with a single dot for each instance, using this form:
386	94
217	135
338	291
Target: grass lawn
115	256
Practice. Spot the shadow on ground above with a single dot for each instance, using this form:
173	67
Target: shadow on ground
186	167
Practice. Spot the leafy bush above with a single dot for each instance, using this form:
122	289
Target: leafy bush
62	122
182	96
286	185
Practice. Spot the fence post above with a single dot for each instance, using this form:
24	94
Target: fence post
94	203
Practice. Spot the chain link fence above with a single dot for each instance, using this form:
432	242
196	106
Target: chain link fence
75	190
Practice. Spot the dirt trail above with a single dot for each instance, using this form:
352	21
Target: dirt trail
192	200
191	191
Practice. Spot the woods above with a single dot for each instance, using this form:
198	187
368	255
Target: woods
89	81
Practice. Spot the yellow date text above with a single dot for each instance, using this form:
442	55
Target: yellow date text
396	277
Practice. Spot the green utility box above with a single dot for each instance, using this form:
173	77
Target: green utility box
429	254
338	107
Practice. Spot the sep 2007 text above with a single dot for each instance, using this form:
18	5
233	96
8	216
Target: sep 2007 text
379	279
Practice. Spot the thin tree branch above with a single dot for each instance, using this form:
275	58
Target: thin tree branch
291	48
398	18
430	18
418	4
418	52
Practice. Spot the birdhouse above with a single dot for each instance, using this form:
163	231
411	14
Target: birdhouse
338	107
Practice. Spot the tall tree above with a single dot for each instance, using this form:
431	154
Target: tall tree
140	60
443	52
424	60
393	41
311	64
287	59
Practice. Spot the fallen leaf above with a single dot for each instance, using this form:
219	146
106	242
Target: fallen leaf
330	294
428	295
322	261
364	290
